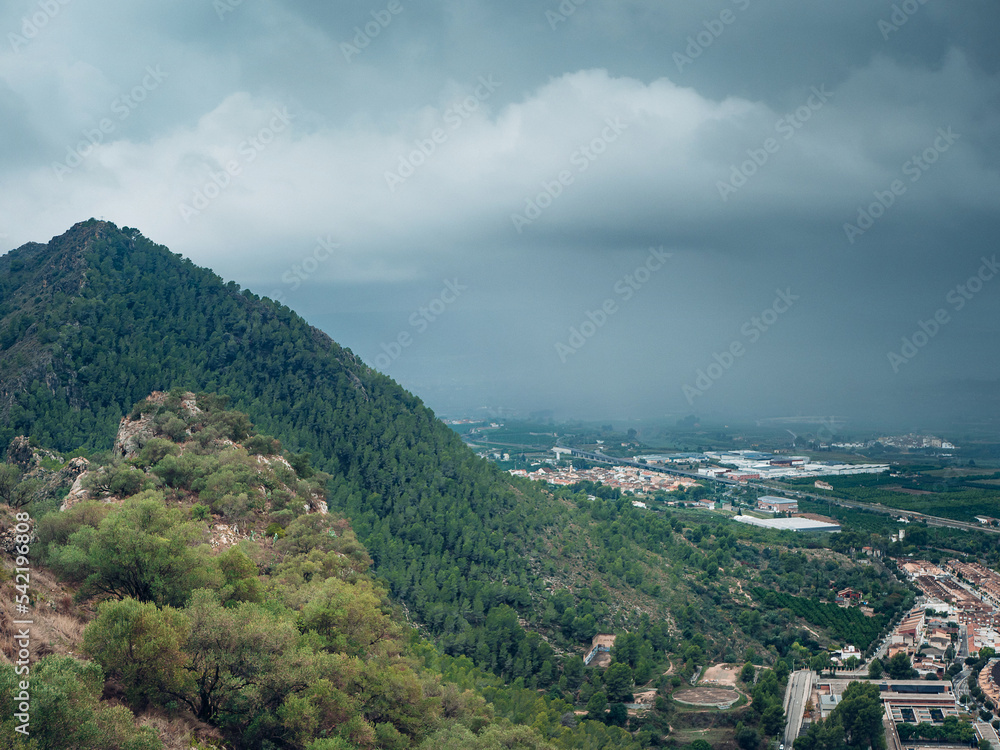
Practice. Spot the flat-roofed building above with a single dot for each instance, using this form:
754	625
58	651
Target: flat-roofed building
774	504
788	524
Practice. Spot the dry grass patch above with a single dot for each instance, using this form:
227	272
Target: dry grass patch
721	674
180	732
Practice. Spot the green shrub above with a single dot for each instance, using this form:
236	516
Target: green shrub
186	471
263	445
175	428
234	507
140	549
66	710
122	480
125	481
155	451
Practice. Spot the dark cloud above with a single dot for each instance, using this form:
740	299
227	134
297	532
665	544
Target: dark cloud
354	160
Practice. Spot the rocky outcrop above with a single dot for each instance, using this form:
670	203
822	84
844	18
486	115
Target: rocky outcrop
317	504
70	473
133	434
46	483
77	493
21	454
139	427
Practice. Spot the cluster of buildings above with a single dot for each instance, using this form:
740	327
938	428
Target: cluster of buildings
989	680
985	581
925	639
910	701
907	442
967	592
912	441
904	701
744	466
672	458
958	598
624	478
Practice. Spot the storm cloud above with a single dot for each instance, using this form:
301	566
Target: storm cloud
613	209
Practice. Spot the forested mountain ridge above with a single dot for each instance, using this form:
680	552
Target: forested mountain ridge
100	317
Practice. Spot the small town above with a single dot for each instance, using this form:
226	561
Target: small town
624	478
955	622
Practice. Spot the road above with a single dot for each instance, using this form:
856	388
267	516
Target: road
796	697
891	735
959	683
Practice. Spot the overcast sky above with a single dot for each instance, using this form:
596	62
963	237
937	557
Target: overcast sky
607	208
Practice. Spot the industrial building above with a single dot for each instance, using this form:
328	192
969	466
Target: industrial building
773	504
789	524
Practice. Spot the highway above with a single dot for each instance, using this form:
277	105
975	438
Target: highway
796	697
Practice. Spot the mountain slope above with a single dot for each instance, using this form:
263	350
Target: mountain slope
100	317
195	593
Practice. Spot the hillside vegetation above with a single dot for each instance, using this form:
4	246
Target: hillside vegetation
507	577
220	594
215	545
